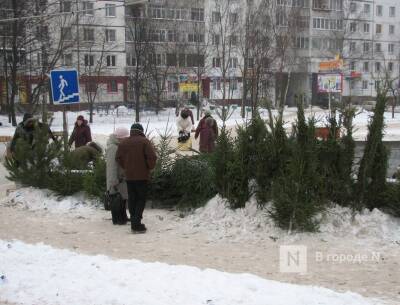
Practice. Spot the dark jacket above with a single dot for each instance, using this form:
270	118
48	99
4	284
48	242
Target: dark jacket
208	132
81	135
25	133
81	156
136	156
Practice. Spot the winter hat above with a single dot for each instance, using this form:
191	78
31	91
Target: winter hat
137	126
207	113
80	118
121	132
26	117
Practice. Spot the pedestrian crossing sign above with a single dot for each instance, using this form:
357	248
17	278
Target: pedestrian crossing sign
65	86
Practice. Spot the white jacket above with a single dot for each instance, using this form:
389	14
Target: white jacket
184	124
114	173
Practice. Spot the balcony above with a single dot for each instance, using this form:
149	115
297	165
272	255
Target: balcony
321	5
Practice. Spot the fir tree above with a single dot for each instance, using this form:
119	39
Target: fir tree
296	191
371	184
34	159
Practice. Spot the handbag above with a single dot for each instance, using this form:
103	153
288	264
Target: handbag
118	209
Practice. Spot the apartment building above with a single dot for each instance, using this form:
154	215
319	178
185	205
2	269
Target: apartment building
86	35
197	45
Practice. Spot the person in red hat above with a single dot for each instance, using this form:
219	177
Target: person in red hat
81	134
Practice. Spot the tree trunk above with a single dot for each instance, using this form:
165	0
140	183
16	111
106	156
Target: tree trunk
137	103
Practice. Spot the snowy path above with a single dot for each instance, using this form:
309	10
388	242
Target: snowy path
169	240
43	275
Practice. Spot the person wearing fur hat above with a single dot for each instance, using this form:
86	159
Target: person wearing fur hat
115	175
81	134
137	157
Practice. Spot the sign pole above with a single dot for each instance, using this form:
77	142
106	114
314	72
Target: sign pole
65	128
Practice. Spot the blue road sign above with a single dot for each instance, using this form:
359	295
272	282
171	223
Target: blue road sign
64	86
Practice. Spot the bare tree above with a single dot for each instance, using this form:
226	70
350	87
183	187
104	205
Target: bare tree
223	30
138	29
257	51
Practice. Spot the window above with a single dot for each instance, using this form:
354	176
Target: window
216	85
378	29
67	59
110	35
233	40
366	27
89	60
182	60
366	66
364	84
391	48
353	27
233	62
233	84
88	8
392	11
390	67
171	60
366	47
195	37
157	12
377	84
130	60
250	63
172	36
391	29
110	10
66	33
367	9
352	46
194	60
215	40
110	60
233	18
157	59
377	66
379	10
88	34
353	7
65	6
91	86
353	66
216	62
112	86
197	14
378	47
302	42
216	17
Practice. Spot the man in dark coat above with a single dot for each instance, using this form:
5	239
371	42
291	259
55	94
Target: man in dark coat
137	157
81	134
26	129
208	132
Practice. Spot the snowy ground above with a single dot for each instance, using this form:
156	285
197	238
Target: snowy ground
241	241
105	124
38	274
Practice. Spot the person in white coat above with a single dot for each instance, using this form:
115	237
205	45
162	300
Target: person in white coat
184	126
115	176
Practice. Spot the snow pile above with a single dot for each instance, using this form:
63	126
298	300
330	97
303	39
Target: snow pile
218	221
44	200
38	274
374	224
